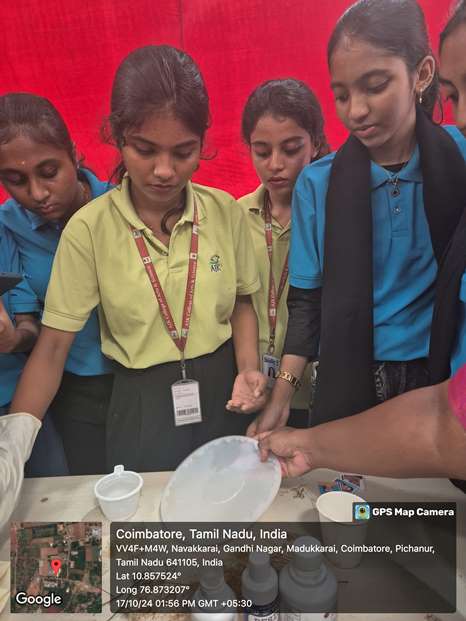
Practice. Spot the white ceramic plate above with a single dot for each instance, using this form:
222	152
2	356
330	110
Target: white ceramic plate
222	481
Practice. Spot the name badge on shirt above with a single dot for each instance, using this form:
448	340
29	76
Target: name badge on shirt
186	402
270	368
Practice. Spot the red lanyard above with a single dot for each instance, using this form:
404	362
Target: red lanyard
180	341
274	295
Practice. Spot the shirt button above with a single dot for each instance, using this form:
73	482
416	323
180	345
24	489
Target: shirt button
397	209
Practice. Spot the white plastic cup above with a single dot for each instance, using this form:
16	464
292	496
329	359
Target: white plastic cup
337	527
118	493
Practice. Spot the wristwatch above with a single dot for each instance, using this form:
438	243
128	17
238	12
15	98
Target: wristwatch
289	377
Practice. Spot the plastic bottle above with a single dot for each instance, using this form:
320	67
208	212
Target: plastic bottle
308	589
259	583
213	587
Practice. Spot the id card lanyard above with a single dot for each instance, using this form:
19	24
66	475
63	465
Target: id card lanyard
271	363
274	295
186	401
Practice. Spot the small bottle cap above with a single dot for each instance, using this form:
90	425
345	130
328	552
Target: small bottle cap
259	566
212	578
307	560
259	581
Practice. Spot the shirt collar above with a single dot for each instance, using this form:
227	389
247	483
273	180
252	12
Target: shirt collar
121	198
410	172
35	220
257	200
188	214
257	208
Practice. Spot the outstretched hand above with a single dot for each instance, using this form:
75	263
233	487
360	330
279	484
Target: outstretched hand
249	392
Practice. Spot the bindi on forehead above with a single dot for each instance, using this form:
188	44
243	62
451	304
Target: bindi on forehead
10	161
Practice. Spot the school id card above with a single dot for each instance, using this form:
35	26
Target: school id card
186	402
270	368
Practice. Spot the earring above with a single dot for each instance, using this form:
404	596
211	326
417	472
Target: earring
420	97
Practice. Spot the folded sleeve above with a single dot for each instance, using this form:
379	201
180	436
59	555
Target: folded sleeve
21	299
73	290
247	274
17	435
305	264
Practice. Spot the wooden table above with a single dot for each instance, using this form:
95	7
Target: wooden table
72	499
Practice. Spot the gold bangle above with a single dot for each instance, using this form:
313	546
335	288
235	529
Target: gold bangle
290	378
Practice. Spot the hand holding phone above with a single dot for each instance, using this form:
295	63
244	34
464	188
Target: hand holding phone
7	329
8	281
7	332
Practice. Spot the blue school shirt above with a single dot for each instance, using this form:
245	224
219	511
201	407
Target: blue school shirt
24	301
37	242
459	352
404	266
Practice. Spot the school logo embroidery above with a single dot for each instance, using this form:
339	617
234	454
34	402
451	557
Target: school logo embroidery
215	264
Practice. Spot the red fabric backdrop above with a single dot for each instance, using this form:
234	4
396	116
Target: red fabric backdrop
68	50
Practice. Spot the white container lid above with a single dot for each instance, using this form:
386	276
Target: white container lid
222	481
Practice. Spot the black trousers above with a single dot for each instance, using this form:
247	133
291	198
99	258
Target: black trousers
299	419
141	431
80	411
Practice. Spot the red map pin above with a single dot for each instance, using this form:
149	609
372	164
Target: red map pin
55	564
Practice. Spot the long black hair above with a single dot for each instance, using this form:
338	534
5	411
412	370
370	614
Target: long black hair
286	98
156	78
397	26
35	117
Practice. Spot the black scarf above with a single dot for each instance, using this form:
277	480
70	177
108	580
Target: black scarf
447	305
447	311
346	382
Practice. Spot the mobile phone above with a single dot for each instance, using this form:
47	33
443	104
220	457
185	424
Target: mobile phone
8	280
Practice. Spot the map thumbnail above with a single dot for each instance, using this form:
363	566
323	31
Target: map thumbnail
56	562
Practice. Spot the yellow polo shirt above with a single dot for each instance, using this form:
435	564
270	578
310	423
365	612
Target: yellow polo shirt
253	207
98	264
